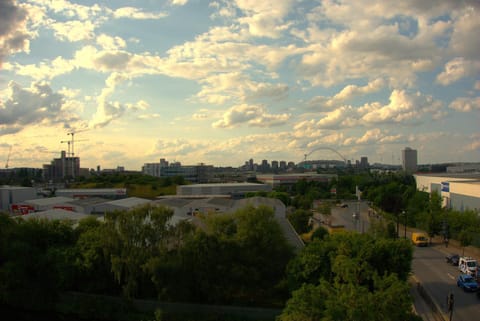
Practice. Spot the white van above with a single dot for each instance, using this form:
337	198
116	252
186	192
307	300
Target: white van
467	265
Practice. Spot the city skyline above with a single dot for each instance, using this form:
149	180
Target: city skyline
214	81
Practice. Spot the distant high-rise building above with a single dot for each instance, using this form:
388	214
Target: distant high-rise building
274	164
61	168
364	162
409	159
283	164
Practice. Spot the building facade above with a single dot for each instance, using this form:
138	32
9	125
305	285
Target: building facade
409	160
458	192
61	168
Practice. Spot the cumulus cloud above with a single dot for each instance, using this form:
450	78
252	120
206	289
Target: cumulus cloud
348	93
32	106
377	136
176	146
43	70
464	40
264	18
465	104
457	69
14	36
107	111
403	108
136	13
178	2
252	115
110	43
340	117
74	30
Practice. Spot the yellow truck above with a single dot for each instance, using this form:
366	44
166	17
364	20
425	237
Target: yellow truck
419	239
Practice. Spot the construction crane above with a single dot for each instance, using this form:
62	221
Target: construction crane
68	142
8	156
73	138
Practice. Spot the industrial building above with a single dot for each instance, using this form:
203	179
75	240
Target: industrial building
48	203
458	191
10	195
124	204
56	214
235	190
276	180
110	193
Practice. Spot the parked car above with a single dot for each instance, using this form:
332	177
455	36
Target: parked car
452	258
467	283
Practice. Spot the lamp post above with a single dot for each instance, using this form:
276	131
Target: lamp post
404	213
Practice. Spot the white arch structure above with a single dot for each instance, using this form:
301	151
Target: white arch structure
329	148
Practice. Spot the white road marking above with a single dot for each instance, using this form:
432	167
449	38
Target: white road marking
451	276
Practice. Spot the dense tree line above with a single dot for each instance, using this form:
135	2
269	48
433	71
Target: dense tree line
235	259
350	276
395	196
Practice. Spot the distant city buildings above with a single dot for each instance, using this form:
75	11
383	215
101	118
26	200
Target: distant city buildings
193	173
62	168
409	160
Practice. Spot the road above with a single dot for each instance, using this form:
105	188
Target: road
429	266
439	279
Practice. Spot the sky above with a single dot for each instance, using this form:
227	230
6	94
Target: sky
222	81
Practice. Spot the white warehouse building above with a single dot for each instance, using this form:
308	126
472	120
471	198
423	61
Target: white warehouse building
232	189
459	192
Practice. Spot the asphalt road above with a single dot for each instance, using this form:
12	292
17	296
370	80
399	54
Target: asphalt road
429	267
439	279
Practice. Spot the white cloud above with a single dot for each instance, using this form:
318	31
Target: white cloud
135	13
110	43
348	93
457	69
44	70
252	115
403	108
107	111
465	104
464	40
265	18
179	2
74	30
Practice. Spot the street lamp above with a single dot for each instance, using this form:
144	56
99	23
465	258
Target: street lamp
404	213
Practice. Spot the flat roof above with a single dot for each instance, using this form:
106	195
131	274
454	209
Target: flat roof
241	184
89	201
129	202
49	200
472	176
93	190
8	187
55	214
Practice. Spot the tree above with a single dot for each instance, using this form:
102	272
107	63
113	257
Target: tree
465	238
300	220
133	237
350	277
